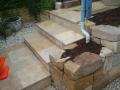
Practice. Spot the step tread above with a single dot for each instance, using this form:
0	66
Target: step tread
67	14
58	32
44	46
25	70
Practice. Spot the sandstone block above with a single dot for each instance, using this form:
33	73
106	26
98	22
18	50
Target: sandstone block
107	56
57	77
106	52
116	60
83	65
114	46
80	84
59	63
104	79
106	32
96	40
72	70
89	63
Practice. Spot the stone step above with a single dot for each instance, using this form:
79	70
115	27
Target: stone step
70	3
58	34
26	71
50	88
42	47
70	17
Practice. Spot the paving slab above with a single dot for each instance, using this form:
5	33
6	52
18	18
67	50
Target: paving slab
67	14
97	7
73	14
42	47
26	71
59	34
106	32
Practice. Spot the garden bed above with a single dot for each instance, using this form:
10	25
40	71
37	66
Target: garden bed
111	17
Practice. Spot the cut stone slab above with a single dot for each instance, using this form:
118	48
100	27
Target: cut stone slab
67	14
83	65
58	63
26	71
58	34
106	32
114	46
84	83
42	47
101	79
50	88
57	76
70	3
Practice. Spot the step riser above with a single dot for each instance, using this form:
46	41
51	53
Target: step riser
37	55
53	39
66	23
40	85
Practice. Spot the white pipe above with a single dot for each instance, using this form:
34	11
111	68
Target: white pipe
87	35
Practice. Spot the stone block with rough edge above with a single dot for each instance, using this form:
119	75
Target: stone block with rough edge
114	46
57	76
96	40
59	63
84	83
83	65
106	32
107	57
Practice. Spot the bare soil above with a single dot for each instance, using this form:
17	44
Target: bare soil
81	48
111	17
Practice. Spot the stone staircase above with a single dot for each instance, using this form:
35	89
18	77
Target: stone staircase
57	34
53	37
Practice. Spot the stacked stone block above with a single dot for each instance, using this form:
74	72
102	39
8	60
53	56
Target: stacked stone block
109	37
77	74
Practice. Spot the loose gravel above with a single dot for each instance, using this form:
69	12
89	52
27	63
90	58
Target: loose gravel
29	28
18	36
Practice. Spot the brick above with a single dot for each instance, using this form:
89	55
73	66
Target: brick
106	32
114	46
80	84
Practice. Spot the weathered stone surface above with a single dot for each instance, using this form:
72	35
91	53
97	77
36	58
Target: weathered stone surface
57	33
72	70
106	32
103	79
70	3
80	84
96	40
26	71
114	46
59	63
88	62
83	65
107	57
106	52
116	59
42	47
57	76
